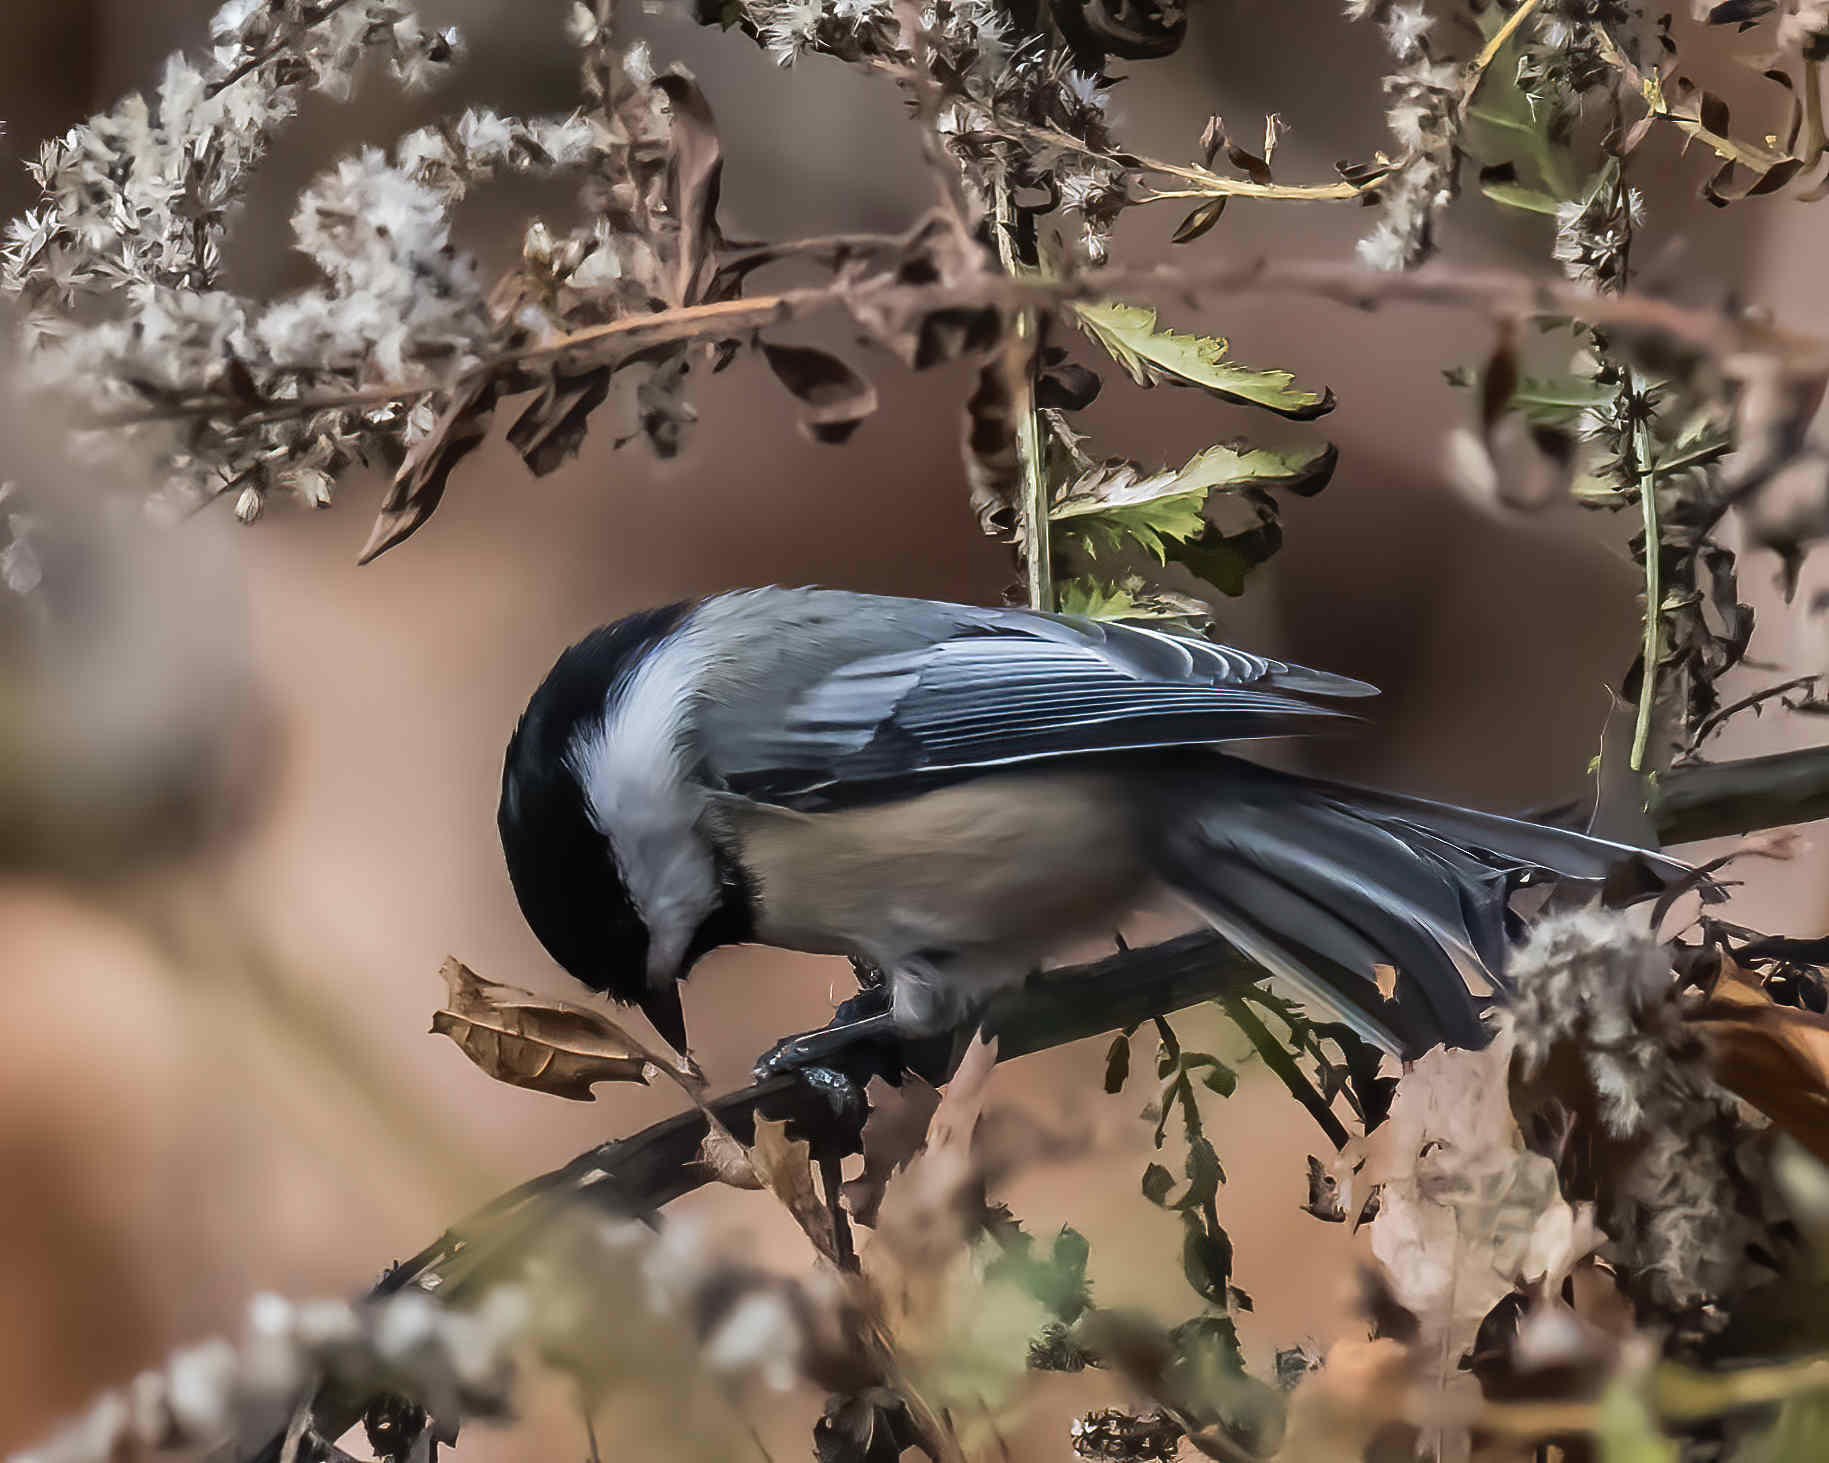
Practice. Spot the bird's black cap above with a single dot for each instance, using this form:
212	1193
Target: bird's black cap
564	875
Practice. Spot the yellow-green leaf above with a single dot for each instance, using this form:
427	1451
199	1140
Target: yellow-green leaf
1119	500
1154	355
1130	599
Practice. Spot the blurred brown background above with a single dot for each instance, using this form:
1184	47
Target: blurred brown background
217	1077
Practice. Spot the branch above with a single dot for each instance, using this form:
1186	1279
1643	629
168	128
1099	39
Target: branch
640	1174
1714	799
1502	294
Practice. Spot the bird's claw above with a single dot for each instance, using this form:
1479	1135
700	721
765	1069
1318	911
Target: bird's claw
792	1054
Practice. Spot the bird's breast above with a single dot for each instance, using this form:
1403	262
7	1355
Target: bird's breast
1018	858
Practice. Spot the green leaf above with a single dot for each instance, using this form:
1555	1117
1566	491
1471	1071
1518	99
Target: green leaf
1224	560
1071	1252
1206	1259
1117	1063
1141	513
1517	195
1118	500
1627	1433
1158	1184
1204	1174
1131	599
1207	1346
1153	356
1557	399
1218	1076
1057	1281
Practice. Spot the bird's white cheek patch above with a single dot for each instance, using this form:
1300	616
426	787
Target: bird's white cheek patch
632	770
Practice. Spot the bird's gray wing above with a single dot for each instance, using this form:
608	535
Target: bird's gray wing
970	688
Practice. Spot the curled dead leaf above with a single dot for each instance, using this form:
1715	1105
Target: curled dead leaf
540	1043
419	485
695	172
836	396
786	1166
893	1134
552	426
727	1159
1774	1057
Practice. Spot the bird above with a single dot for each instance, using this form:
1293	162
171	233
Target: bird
952	794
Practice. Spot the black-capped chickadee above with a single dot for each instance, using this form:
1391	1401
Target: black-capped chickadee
953	794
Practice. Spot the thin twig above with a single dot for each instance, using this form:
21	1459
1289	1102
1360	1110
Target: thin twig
1476	69
1718	719
277	48
1495	292
1276	1057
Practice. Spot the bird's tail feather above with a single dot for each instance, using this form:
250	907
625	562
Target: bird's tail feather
1322	883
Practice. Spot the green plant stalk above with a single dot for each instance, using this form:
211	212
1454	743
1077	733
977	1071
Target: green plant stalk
1654	586
1038	553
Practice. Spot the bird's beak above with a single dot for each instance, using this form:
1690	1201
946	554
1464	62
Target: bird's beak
662	1008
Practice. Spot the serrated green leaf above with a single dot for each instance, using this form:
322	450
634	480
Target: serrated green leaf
1131	599
1224	561
1147	518
1118	500
1154	355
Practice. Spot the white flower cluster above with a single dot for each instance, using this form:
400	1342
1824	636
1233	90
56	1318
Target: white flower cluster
220	1390
1594	235
992	79
745	1323
975	31
20	568
1592	987
117	272
1421	115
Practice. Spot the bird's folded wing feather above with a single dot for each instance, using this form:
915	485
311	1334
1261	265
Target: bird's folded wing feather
997	687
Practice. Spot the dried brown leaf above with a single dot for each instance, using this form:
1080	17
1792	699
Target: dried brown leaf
695	169
1199	220
726	1159
786	1166
1337	1410
552	426
957	1116
420	483
1774	1057
893	1134
537	1042
935	1203
993	460
836	396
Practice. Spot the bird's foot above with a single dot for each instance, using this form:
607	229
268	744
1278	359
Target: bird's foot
857	1044
860	1042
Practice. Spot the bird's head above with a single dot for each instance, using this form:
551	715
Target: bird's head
617	904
